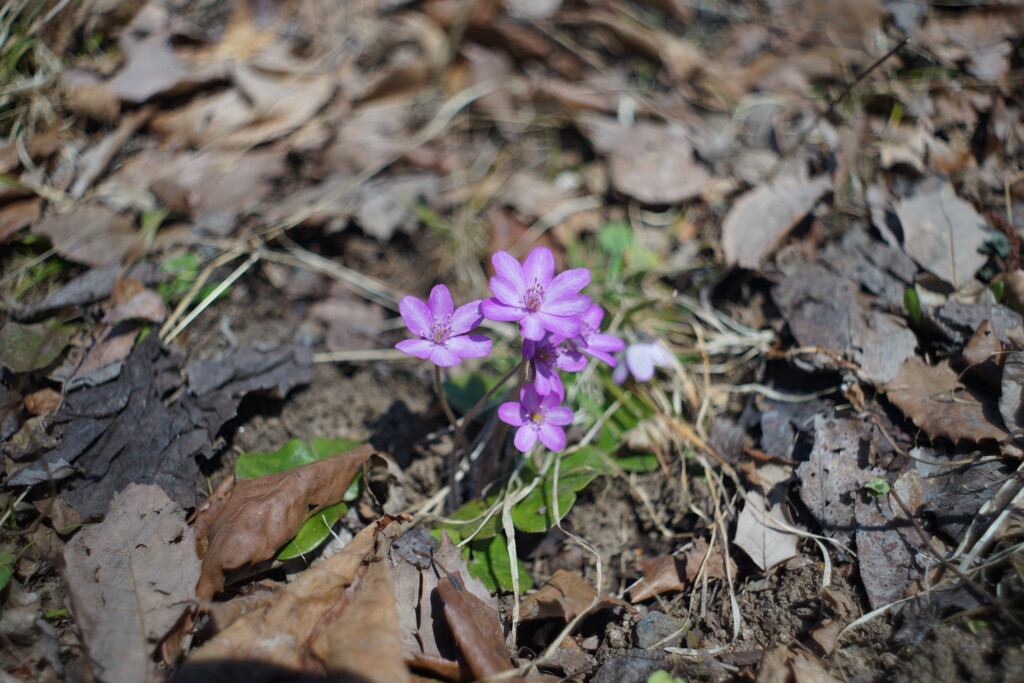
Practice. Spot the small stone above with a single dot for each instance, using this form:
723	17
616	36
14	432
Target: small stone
655	627
632	667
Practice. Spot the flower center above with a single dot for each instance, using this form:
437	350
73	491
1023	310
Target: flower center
537	417
534	297
441	330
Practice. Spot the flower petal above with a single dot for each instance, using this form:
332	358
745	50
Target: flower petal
526	436
416	316
593	316
552	436
440	302
495	310
566	326
466	317
529	398
572	361
539	266
511	413
506	291
559	415
507	267
421	348
469	346
620	373
443	356
547	380
641	365
531	327
569	282
571	305
601	346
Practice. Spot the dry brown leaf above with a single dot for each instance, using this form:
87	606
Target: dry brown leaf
152	67
565	595
934	398
651	162
759	532
18	215
42	402
144	305
887	551
983	356
90	234
364	642
761	219
476	627
94	161
943	234
1011	399
277	634
130	578
675	572
263	513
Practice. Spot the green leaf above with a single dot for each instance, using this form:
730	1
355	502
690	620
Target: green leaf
638	462
294	453
535	513
24	348
876	487
313	532
615	238
7	560
467	518
912	302
489	561
465	391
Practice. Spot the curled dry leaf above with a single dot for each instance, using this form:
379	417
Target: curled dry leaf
934	398
674	572
476	627
279	633
565	595
263	513
761	219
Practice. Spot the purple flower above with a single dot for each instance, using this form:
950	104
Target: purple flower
537	417
641	357
549	356
592	341
530	294
442	329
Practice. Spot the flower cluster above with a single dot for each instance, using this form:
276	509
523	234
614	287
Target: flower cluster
559	325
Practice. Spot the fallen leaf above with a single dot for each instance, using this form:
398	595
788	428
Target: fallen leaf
278	633
476	627
24	348
363	643
95	284
42	402
887	550
564	596
651	162
935	399
262	514
760	220
152	67
145	305
18	215
105	358
943	234
90	234
831	478
674	572
95	160
130	578
760	534
983	359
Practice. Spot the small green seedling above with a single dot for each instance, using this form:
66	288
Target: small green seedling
877	487
663	676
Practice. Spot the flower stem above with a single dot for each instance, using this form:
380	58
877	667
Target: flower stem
460	442
490	394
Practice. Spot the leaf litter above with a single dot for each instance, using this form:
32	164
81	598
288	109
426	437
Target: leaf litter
845	189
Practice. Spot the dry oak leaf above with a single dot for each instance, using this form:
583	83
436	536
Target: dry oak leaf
936	401
130	578
761	219
476	627
761	534
262	514
279	633
564	596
